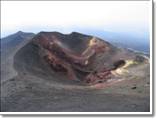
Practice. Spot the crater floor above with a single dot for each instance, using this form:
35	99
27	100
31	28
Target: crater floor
37	88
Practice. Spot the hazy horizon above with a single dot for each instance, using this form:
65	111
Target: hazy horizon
67	16
129	19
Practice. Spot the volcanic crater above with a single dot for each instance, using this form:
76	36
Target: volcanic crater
78	57
72	72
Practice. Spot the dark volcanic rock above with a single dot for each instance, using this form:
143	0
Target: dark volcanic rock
80	55
36	87
15	39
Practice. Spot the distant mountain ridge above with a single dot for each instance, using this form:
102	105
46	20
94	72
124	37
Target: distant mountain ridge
11	42
15	38
138	43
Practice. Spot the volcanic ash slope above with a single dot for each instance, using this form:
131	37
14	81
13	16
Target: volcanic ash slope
38	88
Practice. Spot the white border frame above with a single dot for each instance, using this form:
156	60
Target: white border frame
108	113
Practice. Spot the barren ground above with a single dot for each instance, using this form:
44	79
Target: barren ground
29	85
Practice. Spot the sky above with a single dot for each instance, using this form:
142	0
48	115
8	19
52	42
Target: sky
68	16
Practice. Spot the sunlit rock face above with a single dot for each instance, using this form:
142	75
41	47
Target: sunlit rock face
82	57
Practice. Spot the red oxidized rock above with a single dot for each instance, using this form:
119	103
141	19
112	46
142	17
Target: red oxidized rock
62	58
